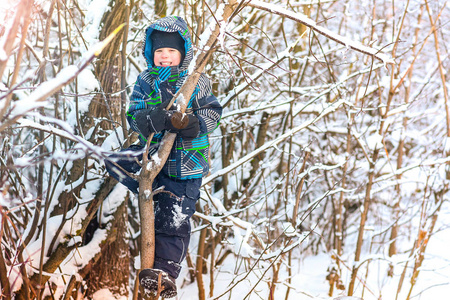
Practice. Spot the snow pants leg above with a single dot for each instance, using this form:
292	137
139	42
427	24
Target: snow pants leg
172	221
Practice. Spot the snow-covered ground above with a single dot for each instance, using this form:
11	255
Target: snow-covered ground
308	281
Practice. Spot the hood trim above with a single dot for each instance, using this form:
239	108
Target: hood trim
169	24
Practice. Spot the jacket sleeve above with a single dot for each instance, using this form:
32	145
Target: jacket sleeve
209	115
137	102
208	110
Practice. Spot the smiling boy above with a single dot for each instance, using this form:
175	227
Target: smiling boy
168	51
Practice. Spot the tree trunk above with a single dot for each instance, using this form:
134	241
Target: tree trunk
111	271
108	68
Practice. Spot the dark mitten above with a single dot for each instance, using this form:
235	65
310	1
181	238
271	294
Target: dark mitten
187	125
152	120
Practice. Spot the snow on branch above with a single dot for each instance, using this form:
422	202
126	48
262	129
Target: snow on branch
332	107
66	132
303	19
39	98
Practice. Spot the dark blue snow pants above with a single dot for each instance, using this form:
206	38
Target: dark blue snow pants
172	213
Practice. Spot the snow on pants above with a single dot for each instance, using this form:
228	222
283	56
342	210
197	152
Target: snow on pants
172	212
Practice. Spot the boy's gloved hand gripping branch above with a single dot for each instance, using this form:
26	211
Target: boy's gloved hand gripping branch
167	117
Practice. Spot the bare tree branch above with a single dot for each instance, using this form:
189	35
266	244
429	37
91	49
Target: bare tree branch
301	18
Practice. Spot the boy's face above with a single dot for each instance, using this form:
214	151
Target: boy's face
164	57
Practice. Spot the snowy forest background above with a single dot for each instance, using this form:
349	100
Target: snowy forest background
329	172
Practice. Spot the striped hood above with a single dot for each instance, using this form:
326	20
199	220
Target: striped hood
169	24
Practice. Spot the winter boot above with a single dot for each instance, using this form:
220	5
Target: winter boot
148	279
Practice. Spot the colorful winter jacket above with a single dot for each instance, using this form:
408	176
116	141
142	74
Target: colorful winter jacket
188	158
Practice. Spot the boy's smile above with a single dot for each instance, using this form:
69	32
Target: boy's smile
165	57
